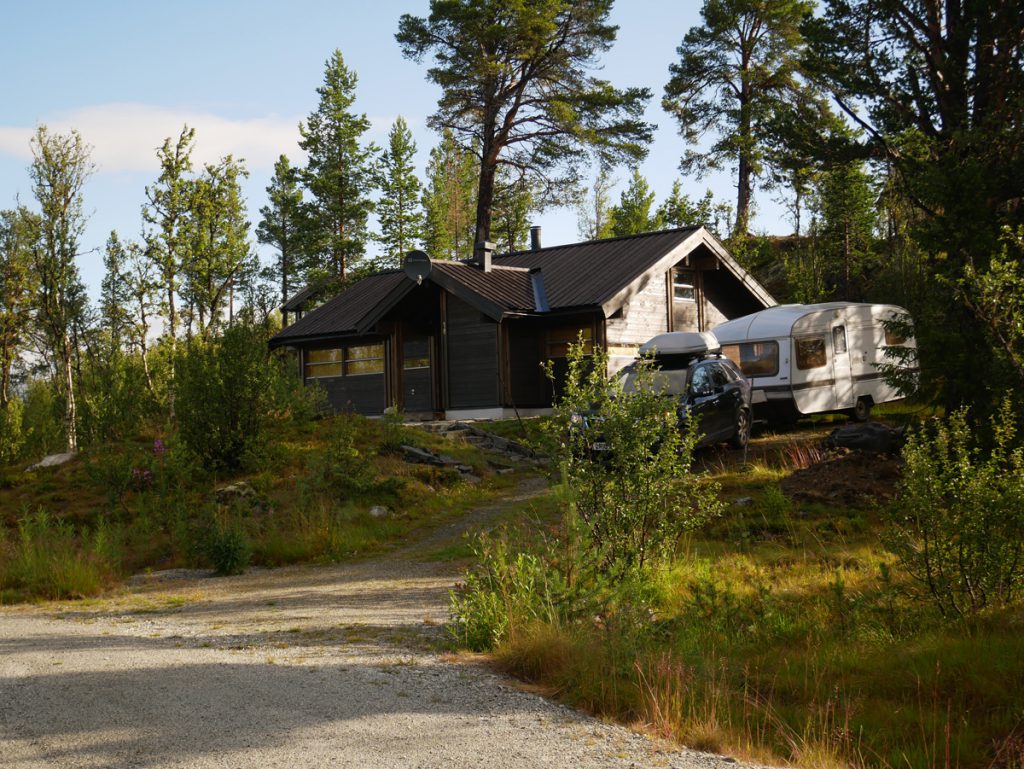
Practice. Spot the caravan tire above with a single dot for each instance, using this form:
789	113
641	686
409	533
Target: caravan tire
862	409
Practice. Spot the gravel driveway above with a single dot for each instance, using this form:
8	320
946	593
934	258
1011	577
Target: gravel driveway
295	667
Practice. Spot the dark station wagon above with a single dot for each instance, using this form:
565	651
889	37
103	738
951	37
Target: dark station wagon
706	386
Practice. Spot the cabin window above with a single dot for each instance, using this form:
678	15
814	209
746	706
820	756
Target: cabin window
839	340
345	361
561	337
364	359
810	352
754	358
416	353
683	286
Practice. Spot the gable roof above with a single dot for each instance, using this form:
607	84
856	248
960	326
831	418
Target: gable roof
602	274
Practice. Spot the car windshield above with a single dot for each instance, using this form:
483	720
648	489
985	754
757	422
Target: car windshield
672	381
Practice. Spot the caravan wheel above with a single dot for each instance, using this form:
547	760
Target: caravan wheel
862	409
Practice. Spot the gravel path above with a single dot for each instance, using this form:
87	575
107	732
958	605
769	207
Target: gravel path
296	667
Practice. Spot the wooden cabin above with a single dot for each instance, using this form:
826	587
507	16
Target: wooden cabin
462	340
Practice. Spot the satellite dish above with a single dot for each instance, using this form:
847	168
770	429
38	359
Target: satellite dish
417	266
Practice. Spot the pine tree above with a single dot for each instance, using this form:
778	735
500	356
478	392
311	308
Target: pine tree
449	201
339	172
735	71
399	213
847	207
633	214
115	292
285	227
513	203
517	85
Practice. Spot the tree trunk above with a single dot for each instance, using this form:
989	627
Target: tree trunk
485	200
70	414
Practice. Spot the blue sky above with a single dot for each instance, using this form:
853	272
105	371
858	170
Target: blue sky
127	75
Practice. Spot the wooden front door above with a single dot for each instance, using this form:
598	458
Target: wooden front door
416	360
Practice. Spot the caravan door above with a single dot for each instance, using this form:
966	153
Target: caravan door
841	373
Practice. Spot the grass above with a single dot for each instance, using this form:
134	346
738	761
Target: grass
79	529
785	634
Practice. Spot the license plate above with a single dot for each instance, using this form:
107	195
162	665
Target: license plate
599	446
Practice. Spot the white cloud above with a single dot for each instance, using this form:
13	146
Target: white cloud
125	136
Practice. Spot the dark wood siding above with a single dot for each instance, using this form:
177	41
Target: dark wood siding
528	385
364	394
472	343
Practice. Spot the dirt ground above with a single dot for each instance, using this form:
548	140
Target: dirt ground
295	667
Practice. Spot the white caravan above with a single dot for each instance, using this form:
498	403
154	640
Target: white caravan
813	358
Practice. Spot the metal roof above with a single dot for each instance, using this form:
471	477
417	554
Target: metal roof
601	274
347	312
508	288
589	274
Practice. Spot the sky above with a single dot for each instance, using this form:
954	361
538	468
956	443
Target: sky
127	75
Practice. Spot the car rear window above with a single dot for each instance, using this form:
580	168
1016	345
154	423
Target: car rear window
754	358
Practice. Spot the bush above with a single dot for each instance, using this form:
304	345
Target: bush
228	546
634	501
226	391
11	436
504	592
956	522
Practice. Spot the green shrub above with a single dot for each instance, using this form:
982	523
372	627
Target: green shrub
634	501
228	546
226	392
505	592
12	437
956	522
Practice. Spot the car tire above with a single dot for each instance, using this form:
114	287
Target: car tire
862	409
741	437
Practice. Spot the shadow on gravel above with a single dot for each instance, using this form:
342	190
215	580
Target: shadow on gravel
173	712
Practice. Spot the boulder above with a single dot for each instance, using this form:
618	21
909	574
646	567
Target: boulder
53	460
872	437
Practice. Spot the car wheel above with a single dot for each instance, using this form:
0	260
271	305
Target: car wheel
742	436
862	409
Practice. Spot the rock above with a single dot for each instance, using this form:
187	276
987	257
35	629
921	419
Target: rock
225	495
742	501
470	478
379	511
53	460
420	456
872	437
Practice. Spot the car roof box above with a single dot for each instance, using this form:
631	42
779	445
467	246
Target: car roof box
681	343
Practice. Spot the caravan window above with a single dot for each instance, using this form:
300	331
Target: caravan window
810	352
839	340
754	358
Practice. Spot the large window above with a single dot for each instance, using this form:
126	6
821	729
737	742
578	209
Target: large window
559	339
810	352
754	358
345	361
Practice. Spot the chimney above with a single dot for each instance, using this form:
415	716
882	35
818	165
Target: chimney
535	238
482	254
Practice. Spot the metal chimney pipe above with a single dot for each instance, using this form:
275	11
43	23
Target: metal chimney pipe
535	238
482	254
